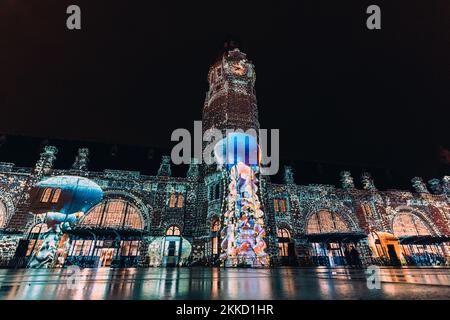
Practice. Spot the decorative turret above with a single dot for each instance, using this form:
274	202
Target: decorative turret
165	169
46	160
367	182
81	160
193	171
418	185
288	176
347	180
435	186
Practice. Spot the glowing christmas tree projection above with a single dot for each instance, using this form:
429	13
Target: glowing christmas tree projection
242	231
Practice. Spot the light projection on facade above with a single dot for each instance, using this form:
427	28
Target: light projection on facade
60	201
242	231
406	224
163	219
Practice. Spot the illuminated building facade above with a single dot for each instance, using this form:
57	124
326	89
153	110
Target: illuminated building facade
167	220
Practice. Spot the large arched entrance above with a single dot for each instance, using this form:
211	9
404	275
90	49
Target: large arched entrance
418	242
332	238
385	248
109	235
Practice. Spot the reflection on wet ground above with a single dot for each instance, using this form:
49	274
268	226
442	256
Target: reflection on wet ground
215	283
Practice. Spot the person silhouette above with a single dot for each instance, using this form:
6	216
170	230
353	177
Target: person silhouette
356	261
347	257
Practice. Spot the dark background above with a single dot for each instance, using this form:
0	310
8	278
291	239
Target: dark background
339	93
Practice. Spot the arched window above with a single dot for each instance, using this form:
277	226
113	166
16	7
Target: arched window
45	196
56	195
50	195
283	233
176	200
326	222
172	200
180	201
284	237
2	215
173	231
406	224
114	214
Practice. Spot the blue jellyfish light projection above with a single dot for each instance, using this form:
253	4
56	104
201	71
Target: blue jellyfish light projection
62	200
243	221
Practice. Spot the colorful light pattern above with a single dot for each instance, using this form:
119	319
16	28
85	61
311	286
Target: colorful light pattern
243	226
243	223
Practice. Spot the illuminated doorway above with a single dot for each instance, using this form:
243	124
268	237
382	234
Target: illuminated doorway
286	252
172	247
385	248
106	257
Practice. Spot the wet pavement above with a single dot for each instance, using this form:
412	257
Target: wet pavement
215	283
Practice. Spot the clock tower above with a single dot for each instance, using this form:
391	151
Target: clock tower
233	186
231	101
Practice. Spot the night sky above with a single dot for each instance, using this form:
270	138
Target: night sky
338	92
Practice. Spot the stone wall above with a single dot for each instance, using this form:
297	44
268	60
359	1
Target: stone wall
8	246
